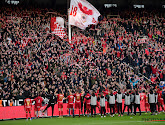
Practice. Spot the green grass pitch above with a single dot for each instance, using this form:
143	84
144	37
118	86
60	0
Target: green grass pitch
83	120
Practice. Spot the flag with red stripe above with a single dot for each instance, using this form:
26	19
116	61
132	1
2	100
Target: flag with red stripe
57	26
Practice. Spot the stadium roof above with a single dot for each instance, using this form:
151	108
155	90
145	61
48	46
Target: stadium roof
120	3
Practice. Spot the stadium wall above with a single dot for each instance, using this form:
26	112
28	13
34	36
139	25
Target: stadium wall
16	112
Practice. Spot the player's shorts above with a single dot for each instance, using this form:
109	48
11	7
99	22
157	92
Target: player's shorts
70	106
37	108
60	105
161	101
28	109
98	104
146	104
78	105
88	106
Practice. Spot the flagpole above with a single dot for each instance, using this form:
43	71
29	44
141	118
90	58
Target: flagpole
69	29
69	26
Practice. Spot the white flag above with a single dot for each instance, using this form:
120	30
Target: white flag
82	14
57	26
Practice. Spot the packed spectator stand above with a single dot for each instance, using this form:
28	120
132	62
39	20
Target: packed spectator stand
123	53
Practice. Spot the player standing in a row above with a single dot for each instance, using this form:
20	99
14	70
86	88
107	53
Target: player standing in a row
77	96
144	96
93	104
102	104
111	99
119	97
70	103
60	97
87	102
38	104
28	107
160	100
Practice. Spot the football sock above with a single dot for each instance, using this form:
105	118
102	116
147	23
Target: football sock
73	111
163	108
146	109
35	114
26	115
68	111
30	115
158	109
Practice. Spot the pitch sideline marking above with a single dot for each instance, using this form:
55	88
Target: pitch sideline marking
125	122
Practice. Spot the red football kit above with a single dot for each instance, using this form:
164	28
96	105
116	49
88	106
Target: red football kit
60	100
142	95
70	101
160	99
77	100
146	100
28	104
38	103
87	101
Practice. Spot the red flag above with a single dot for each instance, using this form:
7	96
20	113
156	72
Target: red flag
57	26
53	25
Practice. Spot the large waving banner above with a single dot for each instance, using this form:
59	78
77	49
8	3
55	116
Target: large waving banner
82	14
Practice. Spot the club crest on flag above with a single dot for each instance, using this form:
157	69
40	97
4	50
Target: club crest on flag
84	18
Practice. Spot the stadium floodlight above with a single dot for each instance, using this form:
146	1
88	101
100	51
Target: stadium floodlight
14	2
138	6
110	5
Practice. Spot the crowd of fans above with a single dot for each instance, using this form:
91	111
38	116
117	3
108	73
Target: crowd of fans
124	52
